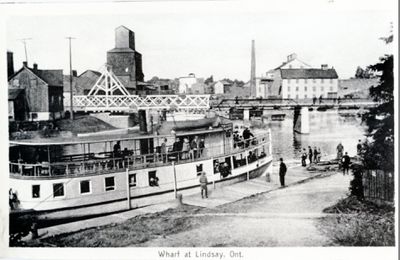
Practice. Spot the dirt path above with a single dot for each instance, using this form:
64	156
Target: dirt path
285	217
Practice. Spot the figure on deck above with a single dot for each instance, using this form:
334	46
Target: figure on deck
346	163
246	136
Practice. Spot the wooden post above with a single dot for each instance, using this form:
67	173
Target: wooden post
128	189
175	183
247	164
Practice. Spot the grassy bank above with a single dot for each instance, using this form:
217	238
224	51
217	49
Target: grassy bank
357	223
132	232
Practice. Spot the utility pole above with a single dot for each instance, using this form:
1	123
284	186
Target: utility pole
253	69
70	79
23	40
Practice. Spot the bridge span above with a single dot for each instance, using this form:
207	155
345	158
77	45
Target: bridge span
277	103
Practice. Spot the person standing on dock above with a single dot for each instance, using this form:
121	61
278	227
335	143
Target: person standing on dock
303	158
339	150
315	153
310	154
346	163
282	172
359	147
203	185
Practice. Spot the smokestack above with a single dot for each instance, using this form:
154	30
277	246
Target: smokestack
253	69
10	63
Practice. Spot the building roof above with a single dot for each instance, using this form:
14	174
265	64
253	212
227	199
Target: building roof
287	62
309	74
87	79
14	93
51	77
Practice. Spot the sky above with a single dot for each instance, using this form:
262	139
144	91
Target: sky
208	38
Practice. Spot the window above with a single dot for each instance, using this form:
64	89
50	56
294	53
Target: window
58	190
288	88
297	96
132	180
322	88
110	183
314	81
35	191
288	96
305	88
16	82
331	88
153	179
288	81
314	88
297	88
297	80
305	96
305	80
199	168
85	187
322	80
331	80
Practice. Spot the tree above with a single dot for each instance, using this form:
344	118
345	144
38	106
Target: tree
209	80
366	73
379	152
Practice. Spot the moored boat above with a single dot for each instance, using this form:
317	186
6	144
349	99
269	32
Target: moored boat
61	178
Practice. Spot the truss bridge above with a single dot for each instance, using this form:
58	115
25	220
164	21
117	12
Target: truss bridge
109	95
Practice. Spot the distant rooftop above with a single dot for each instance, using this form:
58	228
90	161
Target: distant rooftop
309	74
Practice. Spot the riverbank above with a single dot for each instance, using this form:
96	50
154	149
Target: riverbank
359	223
226	203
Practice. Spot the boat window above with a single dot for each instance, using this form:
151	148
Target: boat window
132	180
85	187
35	191
110	183
58	190
199	169
153	179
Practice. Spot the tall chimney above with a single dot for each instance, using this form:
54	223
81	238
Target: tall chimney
10	64
253	69
25	63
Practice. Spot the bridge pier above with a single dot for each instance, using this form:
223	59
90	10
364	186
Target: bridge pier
246	114
301	120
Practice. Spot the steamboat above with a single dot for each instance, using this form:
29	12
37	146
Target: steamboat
63	178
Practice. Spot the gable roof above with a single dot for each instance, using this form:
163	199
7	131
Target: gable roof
51	77
309	74
287	62
87	79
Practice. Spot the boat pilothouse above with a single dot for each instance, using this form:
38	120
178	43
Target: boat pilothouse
77	176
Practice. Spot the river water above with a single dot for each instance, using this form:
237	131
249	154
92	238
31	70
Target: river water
327	129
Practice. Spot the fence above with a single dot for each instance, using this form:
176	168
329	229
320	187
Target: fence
378	185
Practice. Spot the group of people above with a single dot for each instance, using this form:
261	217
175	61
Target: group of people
313	155
186	149
244	139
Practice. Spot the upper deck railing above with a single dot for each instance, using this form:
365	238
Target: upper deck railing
100	163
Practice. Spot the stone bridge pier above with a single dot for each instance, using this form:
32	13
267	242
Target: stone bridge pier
301	120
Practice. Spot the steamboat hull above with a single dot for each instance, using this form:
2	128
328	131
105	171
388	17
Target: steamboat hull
158	194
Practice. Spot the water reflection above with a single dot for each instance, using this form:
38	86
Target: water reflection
327	129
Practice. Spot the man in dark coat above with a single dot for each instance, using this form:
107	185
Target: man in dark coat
246	136
282	172
346	163
310	154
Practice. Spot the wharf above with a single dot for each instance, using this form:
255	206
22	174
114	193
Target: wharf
227	194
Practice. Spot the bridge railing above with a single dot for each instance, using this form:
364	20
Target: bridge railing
134	102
